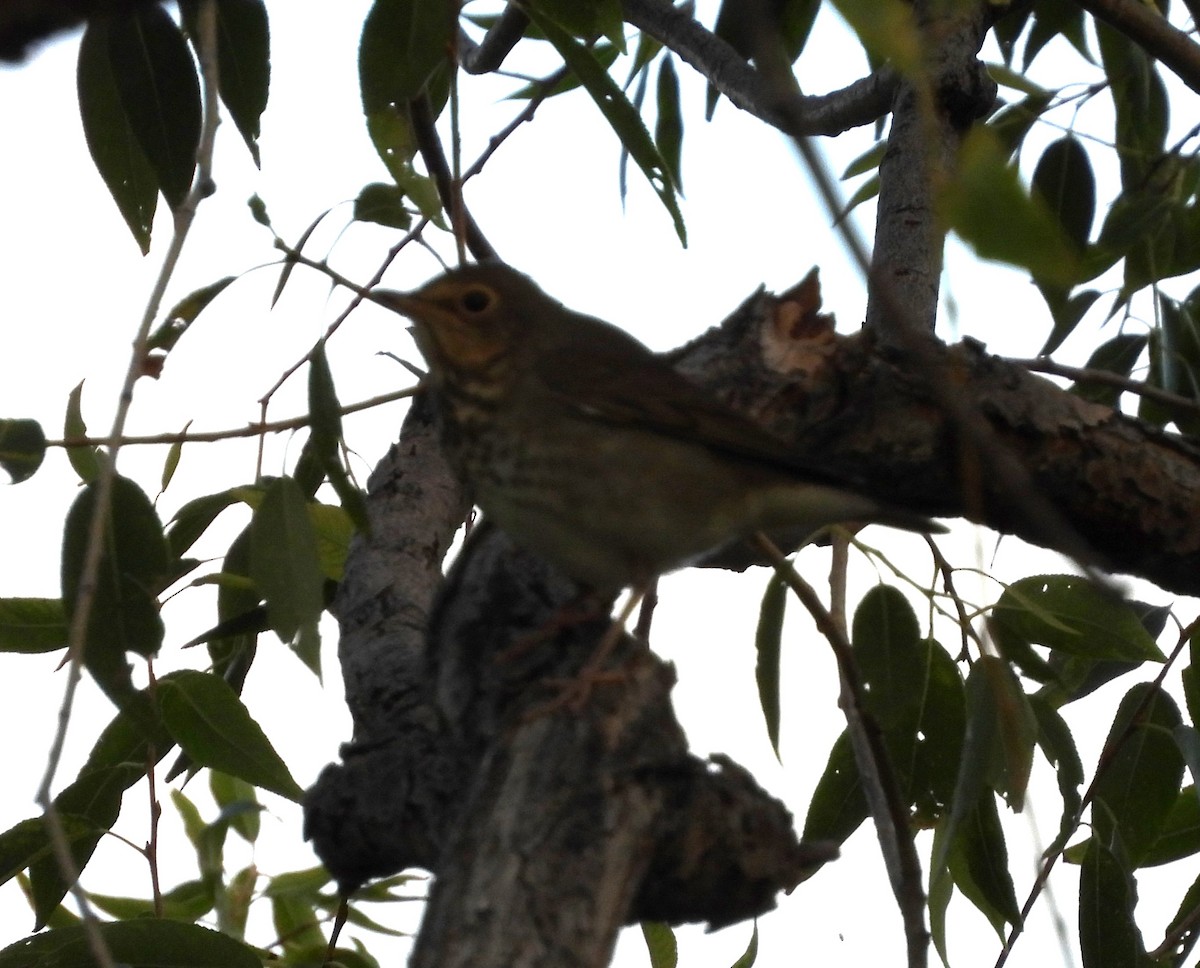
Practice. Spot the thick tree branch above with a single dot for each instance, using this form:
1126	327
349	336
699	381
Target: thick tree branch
929	117
1143	24
862	102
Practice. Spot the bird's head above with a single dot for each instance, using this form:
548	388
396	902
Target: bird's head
472	319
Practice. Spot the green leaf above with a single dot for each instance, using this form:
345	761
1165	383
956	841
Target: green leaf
620	114
238	801
1058	746
838	806
1067	311
749	956
888	30
886	639
668	124
86	460
213	727
1064	180
1140	781
184	313
1108	934
1068	613
1013	122
596	18
189	901
660	944
243	62
32	625
159	92
868	161
1053	18
766	648
283	559
1179	836
115	150
193	519
22	448
382	204
133	565
1141	103
403	42
142	943
1027	236
1118	355
997	752
979	866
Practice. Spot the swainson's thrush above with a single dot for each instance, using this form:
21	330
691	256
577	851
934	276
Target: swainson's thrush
593	452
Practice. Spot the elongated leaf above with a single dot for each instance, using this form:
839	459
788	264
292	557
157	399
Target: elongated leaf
22	448
1064	180
212	726
133	566
1118	355
86	460
184	313
114	147
766	648
1058	746
979	866
284	561
159	93
620	114
32	625
668	125
1027	236
243	61
838	806
1140	782
403	41
141	943
596	18
660	944
1067	311
1065	612
1108	934
1179	836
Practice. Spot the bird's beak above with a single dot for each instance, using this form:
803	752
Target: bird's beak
404	303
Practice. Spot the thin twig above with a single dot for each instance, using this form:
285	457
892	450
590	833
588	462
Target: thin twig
1043	364
430	147
878	778
202	187
250	430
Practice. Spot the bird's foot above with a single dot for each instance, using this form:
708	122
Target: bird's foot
586	608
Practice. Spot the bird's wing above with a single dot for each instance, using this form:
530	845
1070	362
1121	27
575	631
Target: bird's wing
619	381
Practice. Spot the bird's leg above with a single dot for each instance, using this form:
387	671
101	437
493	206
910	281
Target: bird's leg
574	692
586	607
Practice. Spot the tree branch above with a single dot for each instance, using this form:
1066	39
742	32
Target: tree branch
862	102
1144	25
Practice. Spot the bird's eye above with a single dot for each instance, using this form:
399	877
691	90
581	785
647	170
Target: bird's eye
477	299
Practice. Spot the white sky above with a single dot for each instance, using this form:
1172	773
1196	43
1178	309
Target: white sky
75	287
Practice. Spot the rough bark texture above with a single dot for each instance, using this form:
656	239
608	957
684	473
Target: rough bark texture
548	829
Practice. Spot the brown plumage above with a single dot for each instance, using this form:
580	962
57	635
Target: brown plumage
592	451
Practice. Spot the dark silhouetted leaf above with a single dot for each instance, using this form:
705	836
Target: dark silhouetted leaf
160	94
32	625
1108	935
382	204
1064	180
115	149
184	313
766	648
1068	613
1027	236
403	41
1140	782
85	459
620	114
22	448
141	943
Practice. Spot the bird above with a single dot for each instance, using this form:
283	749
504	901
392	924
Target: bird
592	451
